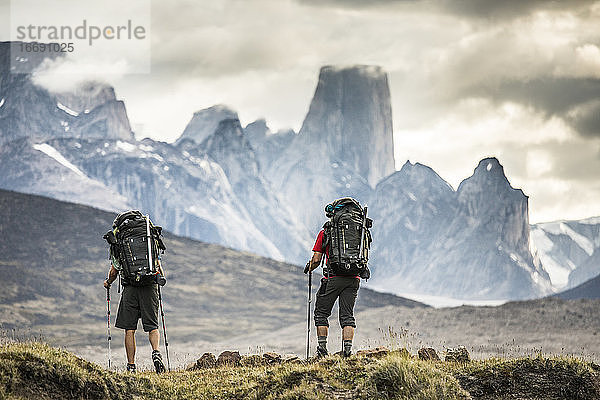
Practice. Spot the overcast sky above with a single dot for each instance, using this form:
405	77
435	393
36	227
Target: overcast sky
519	80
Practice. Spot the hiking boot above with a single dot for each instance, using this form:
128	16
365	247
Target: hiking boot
347	353
322	351
131	368
158	363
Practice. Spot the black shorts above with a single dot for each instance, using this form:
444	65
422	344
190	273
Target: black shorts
138	302
343	287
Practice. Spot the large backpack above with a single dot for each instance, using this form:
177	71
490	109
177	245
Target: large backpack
129	248
348	237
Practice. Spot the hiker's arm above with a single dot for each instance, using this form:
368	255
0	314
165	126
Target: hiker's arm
112	275
315	261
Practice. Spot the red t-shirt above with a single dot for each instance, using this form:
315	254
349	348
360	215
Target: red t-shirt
319	244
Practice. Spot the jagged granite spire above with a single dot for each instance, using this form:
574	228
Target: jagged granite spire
488	195
351	115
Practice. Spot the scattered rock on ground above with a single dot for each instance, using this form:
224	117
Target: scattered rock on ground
377	352
230	358
458	354
207	360
290	358
428	353
272	358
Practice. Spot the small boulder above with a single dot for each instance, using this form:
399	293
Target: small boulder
458	354
377	352
207	360
253	360
272	358
428	353
290	358
230	358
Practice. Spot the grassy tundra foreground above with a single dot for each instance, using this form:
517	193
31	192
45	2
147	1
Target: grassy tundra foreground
35	370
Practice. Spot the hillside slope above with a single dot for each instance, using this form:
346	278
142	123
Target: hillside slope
587	290
53	261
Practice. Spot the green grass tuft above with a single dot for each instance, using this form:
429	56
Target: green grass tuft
397	377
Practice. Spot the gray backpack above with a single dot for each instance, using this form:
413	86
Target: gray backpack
130	249
348	237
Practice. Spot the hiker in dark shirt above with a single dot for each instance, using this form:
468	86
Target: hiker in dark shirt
337	285
138	302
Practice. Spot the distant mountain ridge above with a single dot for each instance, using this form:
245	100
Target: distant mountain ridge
477	238
251	189
569	250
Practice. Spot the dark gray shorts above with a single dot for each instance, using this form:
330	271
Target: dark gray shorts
343	287
138	302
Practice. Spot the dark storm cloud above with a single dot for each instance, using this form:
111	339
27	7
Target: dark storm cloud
576	100
507	8
587	120
494	9
355	3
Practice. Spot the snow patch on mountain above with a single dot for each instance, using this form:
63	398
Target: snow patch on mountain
126	146
567	249
67	109
542	245
561	228
52	152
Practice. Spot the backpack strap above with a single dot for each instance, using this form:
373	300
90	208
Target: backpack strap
326	243
326	236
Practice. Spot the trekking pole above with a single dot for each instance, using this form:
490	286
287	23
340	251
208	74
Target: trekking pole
162	313
151	265
308	313
108	322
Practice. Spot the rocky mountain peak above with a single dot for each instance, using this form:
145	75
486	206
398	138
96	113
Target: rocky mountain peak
488	198
205	122
417	178
416	169
231	149
488	182
351	116
257	131
91	111
87	96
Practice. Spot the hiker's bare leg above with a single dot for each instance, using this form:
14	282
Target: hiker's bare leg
154	338
130	346
322	330
347	333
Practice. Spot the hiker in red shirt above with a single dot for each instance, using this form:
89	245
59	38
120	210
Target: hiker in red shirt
340	277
